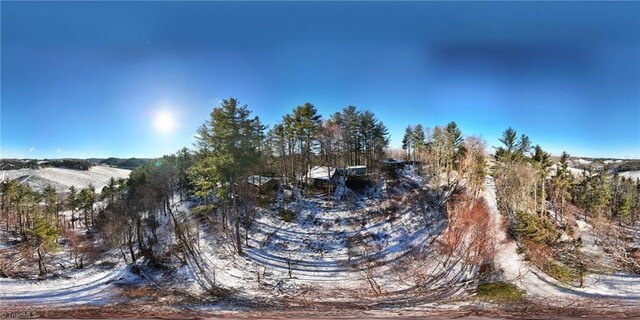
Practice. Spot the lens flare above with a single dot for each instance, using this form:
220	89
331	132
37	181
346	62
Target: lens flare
164	122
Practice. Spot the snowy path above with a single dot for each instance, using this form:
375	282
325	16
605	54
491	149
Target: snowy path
88	286
539	285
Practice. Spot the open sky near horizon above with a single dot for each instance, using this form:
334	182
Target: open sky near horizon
100	79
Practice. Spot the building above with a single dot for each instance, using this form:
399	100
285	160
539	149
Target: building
392	163
321	175
355	171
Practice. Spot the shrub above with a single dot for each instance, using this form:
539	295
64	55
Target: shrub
500	291
535	228
203	210
287	215
562	272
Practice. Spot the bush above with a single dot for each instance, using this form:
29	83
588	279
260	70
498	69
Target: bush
562	272
536	229
203	210
287	215
500	291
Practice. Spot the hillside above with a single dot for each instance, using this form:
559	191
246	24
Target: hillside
62	179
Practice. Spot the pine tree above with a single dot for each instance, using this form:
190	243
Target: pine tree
418	141
542	162
407	141
45	233
229	152
73	204
561	181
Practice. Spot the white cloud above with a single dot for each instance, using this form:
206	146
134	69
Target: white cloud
58	150
32	149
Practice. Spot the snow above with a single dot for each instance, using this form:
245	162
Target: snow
81	287
62	179
574	171
631	174
583	161
311	255
321	172
588	239
258	180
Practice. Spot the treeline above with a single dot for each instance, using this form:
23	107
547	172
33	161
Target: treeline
346	138
124	214
447	156
130	163
15	164
76	164
542	200
528	179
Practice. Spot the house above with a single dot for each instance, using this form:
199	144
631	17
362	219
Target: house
392	163
321	175
258	180
263	184
355	170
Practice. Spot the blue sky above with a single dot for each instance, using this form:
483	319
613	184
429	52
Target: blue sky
86	79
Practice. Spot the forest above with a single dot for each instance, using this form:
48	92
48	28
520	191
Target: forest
158	218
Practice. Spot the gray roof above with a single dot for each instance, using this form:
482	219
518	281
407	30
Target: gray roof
258	180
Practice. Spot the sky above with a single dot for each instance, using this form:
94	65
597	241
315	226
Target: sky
136	79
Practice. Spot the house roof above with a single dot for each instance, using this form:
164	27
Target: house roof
392	161
258	180
321	172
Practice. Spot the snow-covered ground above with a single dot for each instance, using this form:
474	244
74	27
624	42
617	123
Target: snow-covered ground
615	287
574	171
62	179
631	174
79	287
332	252
338	251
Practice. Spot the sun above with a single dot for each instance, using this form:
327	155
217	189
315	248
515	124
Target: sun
164	122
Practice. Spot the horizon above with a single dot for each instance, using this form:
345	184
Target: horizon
98	80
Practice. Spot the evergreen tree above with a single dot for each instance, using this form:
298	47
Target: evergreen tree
229	152
418	141
542	162
45	233
73	202
407	141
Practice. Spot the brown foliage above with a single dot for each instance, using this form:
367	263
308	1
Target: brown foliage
469	233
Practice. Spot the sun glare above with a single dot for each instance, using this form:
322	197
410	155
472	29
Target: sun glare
164	122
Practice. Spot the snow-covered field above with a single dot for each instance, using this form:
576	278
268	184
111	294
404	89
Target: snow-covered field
574	171
631	174
62	179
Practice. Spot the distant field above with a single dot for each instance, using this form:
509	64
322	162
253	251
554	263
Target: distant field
631	174
62	179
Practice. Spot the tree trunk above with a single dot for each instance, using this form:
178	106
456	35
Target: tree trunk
237	220
41	266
